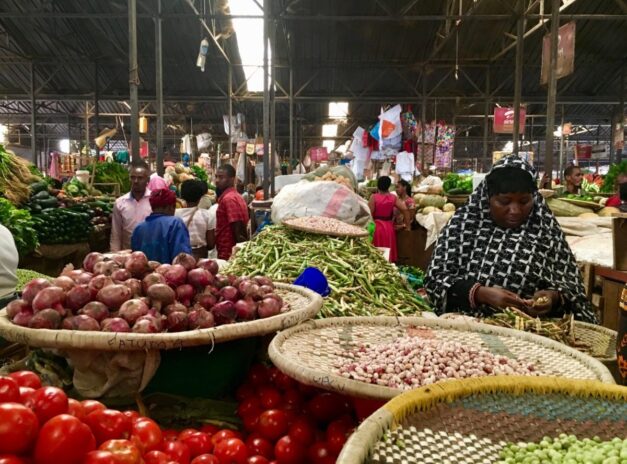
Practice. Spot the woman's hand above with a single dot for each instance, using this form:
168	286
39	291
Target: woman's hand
498	298
542	303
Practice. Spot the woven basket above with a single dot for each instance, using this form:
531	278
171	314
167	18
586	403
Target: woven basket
470	421
349	230
547	193
304	304
458	200
310	352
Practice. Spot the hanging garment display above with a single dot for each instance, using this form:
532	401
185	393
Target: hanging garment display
445	145
408	122
390	128
405	166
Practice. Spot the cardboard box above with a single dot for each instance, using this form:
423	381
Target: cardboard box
619	236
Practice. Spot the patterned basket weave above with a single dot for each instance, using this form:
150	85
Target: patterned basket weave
470	421
601	340
303	304
311	351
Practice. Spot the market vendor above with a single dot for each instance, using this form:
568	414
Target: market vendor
573	177
162	235
382	206
403	191
8	266
619	200
130	209
232	213
431	182
199	221
505	248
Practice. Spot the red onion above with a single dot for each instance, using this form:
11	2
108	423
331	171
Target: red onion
210	265
121	258
185	293
82	322
22	318
246	309
249	288
224	312
177	322
185	260
222	281
50	297
98	283
173	308
65	282
200	319
120	275
105	268
261	280
153	265
96	310
135	286
17	306
32	288
147	324
137	264
200	278
115	324
132	310
206	300
160	296
45	319
163	268
83	278
114	295
266	289
276	297
151	279
229	293
90	260
268	307
215	291
78	297
176	275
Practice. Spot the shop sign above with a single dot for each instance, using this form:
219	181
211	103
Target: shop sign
583	151
565	53
504	120
319	154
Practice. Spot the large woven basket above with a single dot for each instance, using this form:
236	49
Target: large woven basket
458	200
470	421
303	304
311	351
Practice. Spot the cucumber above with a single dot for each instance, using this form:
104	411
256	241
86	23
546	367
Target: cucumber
42	195
49	202
38	187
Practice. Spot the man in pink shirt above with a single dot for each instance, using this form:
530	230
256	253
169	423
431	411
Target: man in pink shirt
130	209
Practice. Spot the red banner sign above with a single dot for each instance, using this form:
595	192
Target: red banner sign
504	120
319	154
565	53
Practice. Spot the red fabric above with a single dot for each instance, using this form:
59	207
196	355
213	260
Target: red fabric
231	208
384	234
162	198
613	201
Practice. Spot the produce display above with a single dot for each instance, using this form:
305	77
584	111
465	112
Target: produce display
324	225
566	449
609	183
362	282
110	173
15	177
62	225
564	208
24	276
131	294
454	184
426	204
21	225
412	362
339	174
75	188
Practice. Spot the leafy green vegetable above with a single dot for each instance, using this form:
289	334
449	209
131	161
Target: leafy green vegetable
609	183
75	188
20	224
461	184
111	173
200	173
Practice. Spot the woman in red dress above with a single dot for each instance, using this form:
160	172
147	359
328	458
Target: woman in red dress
382	208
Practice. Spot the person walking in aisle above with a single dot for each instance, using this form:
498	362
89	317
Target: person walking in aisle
199	222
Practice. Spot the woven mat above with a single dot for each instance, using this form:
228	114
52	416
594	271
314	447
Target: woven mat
348	230
470	421
303	304
311	352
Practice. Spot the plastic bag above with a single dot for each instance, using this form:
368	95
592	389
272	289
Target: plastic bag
322	198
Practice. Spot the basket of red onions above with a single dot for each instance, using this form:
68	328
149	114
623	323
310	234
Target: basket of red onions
125	302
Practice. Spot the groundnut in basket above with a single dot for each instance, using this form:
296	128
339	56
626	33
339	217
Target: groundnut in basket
132	294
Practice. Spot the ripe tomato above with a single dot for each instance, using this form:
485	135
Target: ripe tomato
132	415
251	422
198	443
260	446
25	394
209	429
231	451
245	391
319	453
64	439
48	402
283	381
9	390
257	460
100	457
125	451
273	424
11	459
249	406
303	431
223	434
205	459
270	398
169	435
147	432
108	424
26	379
75	408
177	451
18	428
156	457
92	405
337	434
292	400
289	451
185	433
257	375
324	407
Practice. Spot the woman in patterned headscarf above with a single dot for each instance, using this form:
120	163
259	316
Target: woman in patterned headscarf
505	248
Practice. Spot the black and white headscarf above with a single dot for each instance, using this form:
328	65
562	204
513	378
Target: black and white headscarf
535	256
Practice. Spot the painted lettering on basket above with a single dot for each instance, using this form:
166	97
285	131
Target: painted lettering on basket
130	344
326	381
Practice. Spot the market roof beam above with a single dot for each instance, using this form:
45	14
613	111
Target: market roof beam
210	33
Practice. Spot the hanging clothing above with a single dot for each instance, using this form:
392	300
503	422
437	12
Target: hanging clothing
405	166
472	249
383	215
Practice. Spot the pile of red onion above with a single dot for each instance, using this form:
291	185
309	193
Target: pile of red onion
131	294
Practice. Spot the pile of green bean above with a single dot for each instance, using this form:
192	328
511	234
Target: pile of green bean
362	282
567	449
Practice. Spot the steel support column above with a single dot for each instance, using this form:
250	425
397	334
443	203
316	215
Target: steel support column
273	147
486	122
133	78
266	102
423	120
96	99
520	43
291	118
552	91
33	116
159	88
